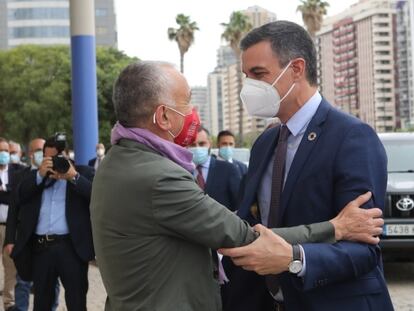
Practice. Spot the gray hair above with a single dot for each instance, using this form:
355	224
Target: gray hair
138	90
13	143
288	41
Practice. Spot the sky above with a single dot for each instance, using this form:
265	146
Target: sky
142	28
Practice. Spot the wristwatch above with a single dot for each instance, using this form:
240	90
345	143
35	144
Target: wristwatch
296	264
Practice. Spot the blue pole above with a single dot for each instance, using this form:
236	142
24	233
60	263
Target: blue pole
84	85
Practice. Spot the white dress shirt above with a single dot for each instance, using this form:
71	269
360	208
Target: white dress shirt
4	176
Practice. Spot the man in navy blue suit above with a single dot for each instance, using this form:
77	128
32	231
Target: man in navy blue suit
301	172
219	179
226	143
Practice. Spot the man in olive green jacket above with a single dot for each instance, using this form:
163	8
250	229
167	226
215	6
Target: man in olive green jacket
153	227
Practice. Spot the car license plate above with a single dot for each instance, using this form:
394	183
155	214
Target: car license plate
399	229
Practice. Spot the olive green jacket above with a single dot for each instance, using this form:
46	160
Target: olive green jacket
153	229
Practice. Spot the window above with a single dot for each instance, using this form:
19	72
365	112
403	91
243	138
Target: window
40	32
101	30
38	13
101	12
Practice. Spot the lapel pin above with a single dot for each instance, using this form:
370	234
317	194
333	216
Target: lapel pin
312	136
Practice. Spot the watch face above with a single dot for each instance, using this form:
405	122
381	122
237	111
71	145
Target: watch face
295	266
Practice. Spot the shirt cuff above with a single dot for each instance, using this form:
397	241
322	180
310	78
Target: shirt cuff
303	271
38	178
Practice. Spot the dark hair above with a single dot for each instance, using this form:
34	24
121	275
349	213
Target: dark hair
288	41
224	133
138	89
202	128
49	143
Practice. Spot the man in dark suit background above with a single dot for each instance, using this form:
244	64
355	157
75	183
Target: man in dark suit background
23	288
219	179
100	155
304	171
8	182
226	143
55	238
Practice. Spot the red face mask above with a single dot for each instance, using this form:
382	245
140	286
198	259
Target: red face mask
188	133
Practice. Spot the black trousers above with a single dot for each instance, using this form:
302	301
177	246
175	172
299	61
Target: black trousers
59	260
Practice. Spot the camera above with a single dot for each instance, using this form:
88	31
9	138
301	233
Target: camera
60	163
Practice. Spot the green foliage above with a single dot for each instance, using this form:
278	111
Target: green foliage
238	25
313	12
183	35
35	91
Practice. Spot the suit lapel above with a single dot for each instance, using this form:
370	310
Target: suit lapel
254	178
210	175
309	141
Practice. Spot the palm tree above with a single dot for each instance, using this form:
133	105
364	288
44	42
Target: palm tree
184	35
234	31
313	12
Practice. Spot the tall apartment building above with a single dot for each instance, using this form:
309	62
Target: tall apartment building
224	85
357	62
46	22
259	16
405	62
199	100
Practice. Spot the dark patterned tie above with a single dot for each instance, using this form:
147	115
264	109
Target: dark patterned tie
200	179
276	193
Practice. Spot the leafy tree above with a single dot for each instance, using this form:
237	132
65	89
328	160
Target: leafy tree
313	12
35	91
110	63
183	35
234	31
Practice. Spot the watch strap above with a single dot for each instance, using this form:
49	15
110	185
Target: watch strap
296	252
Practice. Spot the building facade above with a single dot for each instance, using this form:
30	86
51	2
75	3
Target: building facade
199	101
225	82
357	55
405	62
259	16
47	22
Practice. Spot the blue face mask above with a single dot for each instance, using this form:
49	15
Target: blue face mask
4	158
226	152
38	158
14	158
200	155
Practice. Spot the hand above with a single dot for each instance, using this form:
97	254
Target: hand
46	166
268	254
358	224
69	175
9	248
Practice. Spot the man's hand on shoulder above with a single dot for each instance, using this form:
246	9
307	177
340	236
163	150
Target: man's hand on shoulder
358	224
268	254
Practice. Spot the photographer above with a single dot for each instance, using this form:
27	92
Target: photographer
55	239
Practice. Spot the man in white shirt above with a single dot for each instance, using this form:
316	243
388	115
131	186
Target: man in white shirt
100	155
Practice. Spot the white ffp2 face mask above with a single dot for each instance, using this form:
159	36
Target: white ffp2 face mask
262	99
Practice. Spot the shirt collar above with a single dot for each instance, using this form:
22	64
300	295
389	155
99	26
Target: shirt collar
299	121
207	163
6	169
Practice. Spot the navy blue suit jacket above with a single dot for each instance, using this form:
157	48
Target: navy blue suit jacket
240	166
91	162
223	182
344	160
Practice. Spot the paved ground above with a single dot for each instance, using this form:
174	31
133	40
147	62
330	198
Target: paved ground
400	278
